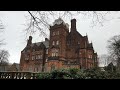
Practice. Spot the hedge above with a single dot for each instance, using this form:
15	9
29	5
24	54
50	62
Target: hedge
79	74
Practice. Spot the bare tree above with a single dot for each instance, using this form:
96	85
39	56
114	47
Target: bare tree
41	20
114	49
4	55
106	59
103	60
1	30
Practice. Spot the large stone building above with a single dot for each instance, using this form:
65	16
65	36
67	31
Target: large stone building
63	49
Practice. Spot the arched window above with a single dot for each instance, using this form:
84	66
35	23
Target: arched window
55	52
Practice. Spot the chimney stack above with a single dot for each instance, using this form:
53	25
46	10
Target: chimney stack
29	40
73	25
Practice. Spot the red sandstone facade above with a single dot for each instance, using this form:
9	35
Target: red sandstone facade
64	49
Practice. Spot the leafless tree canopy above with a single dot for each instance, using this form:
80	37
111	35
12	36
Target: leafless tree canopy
114	48
4	55
1	30
106	59
41	20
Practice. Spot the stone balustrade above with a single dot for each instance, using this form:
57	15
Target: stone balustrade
18	75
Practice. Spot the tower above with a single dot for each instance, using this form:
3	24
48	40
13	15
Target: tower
58	34
57	43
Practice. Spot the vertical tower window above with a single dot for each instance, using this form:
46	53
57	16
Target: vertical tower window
46	51
38	56
53	33
56	54
33	57
41	56
57	32
53	43
57	43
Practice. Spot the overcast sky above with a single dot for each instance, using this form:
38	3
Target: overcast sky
15	37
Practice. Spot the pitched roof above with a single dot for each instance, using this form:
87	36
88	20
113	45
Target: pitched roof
46	43
14	67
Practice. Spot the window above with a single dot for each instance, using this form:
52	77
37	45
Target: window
78	42
53	33
26	57
90	56
38	56
80	53
53	43
57	43
33	57
52	67
57	32
33	50
36	69
28	51
46	51
54	52
46	59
